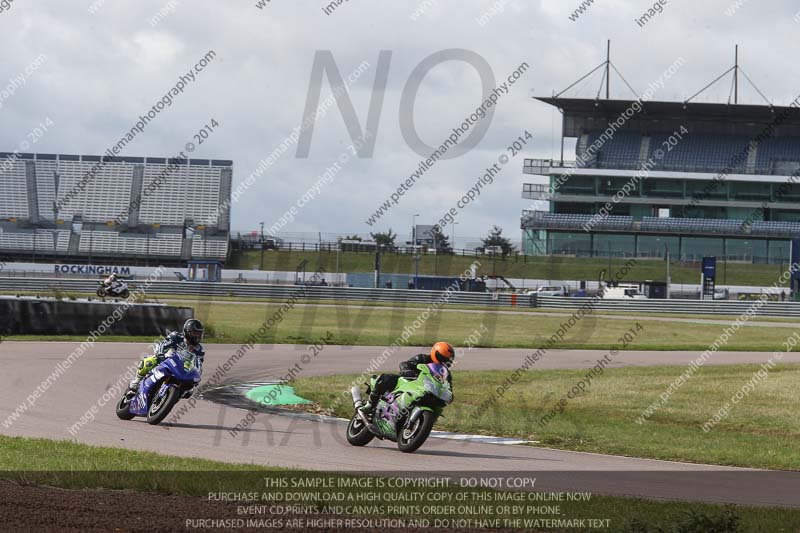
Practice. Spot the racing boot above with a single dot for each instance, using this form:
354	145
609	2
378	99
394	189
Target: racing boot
368	409
133	386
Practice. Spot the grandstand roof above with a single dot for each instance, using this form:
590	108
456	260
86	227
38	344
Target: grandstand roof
115	159
582	114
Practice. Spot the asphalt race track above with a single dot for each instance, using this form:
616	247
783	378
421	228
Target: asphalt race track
293	441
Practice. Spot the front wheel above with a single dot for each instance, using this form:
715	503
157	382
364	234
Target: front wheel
124	408
357	432
124	294
413	436
161	407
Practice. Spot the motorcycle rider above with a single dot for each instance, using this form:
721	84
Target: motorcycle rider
188	339
441	352
112	283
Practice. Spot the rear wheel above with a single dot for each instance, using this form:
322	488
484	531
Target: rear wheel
160	407
413	436
101	292
357	432
124	408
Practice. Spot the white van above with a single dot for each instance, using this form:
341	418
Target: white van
556	290
623	292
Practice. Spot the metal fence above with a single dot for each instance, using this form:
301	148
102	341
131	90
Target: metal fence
501	299
277	292
695	307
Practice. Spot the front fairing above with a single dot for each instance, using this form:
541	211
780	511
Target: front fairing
173	371
432	379
182	370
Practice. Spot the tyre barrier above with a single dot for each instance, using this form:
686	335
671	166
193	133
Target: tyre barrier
30	316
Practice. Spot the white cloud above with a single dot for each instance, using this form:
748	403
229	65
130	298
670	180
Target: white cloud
107	68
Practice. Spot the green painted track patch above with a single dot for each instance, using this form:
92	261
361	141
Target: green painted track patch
275	395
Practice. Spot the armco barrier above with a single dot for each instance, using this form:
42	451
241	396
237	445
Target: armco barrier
284	292
278	292
29	316
695	307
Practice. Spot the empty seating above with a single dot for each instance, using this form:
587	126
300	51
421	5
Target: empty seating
620	151
567	221
776	228
209	247
190	191
778	155
68	204
675	226
700	153
111	242
13	189
694	152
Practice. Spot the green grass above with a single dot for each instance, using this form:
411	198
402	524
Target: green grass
551	268
71	465
378	327
23	454
761	431
371	326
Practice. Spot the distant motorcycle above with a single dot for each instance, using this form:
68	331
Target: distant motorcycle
172	379
117	290
407	414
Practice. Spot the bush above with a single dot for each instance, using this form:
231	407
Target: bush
693	521
698	522
139	298
211	332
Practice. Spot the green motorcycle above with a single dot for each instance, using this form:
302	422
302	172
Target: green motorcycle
407	414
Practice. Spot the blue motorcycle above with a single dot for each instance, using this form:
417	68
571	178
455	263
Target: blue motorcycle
160	390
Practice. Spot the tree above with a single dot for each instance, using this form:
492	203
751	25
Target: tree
384	240
495	238
353	238
441	243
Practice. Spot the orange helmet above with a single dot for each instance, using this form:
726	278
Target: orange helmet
443	353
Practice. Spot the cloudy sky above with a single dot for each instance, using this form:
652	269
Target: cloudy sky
106	62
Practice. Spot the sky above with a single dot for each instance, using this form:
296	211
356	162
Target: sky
102	63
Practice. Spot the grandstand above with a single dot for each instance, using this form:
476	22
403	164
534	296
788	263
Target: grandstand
84	208
699	179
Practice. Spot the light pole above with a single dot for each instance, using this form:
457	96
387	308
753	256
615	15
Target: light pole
414	247
666	247
262	246
435	256
453	237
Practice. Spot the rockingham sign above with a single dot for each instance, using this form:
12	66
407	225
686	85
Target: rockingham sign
102	270
88	270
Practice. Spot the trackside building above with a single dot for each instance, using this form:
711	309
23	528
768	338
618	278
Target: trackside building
698	179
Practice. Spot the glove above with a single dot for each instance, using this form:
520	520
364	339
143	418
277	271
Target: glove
146	365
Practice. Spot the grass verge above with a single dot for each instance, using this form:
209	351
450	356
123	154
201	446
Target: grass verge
377	327
761	431
71	465
370	326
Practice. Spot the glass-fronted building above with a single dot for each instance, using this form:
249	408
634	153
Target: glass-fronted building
699	179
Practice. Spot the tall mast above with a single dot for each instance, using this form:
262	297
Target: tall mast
736	76
608	72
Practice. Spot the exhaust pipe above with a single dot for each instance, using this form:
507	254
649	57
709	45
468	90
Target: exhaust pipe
416	413
357	400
